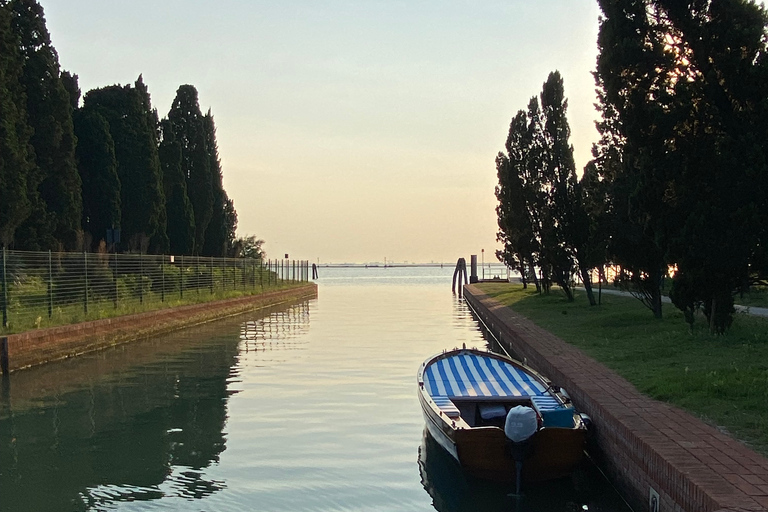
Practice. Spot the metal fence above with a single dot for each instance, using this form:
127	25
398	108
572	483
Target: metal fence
41	289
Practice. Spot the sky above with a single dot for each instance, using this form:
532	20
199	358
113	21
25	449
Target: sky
349	131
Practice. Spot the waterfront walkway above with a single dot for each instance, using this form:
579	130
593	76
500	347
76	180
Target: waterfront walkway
747	310
648	447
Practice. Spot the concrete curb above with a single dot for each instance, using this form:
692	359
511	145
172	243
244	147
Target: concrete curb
40	346
643	444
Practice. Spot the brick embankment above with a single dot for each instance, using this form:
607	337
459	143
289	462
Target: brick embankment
43	345
642	443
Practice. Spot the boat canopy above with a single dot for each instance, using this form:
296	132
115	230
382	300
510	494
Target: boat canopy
467	374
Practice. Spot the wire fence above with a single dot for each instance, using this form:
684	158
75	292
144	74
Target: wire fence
43	289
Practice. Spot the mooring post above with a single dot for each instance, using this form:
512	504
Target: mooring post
4	355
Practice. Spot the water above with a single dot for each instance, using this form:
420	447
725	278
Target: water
311	407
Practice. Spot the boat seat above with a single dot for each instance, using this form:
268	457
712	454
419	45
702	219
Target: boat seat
446	406
553	413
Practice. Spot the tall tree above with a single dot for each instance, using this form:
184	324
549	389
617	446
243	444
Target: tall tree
633	83
189	128
98	171
558	185
220	233
181	218
516	229
159	242
718	147
57	210
141	194
16	153
685	82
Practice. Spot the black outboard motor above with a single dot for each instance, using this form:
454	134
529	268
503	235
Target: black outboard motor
520	426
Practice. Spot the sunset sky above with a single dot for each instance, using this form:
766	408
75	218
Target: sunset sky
349	131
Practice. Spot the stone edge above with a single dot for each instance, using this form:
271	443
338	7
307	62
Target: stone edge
35	347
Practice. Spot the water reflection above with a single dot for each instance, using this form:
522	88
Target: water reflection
135	423
454	491
280	330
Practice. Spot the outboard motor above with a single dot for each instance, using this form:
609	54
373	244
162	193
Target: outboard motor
519	427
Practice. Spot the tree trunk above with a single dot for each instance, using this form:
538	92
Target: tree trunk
655	278
588	286
535	279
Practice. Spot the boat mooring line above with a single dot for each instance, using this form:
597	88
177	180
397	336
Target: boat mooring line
487	329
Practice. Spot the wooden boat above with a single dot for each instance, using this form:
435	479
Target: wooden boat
466	395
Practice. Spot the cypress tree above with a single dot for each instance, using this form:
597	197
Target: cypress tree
189	128
181	218
558	185
220	233
98	170
141	196
16	153
159	242
57	211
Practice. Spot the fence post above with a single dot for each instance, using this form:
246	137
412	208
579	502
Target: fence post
162	274
50	285
85	292
181	278
211	267
141	281
234	274
197	274
4	296
114	278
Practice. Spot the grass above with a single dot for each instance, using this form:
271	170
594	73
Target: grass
721	379
34	315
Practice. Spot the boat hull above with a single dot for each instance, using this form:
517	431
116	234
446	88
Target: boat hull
482	450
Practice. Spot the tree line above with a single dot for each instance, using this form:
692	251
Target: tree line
678	182
83	173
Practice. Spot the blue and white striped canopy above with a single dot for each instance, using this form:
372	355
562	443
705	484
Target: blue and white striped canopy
469	374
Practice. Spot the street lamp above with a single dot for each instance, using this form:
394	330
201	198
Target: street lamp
482	256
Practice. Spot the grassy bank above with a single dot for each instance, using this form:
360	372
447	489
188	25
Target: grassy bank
721	379
35	315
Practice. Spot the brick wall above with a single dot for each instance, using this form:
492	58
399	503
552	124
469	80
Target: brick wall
641	443
42	345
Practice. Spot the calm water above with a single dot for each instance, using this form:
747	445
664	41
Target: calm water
311	407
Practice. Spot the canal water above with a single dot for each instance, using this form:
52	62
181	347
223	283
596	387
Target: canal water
305	408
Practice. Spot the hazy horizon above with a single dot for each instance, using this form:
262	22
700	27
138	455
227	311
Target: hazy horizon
349	131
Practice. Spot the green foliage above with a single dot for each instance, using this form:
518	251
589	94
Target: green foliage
142	200
682	96
16	154
181	217
249	247
97	164
189	128
57	206
538	215
221	230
